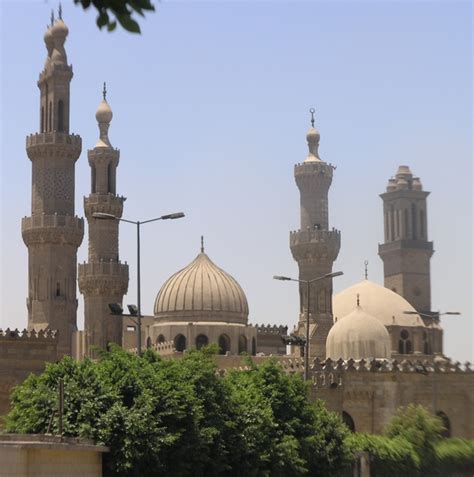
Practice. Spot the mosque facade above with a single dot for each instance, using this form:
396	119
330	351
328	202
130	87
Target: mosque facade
372	348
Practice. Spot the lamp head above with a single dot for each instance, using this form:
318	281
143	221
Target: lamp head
279	277
176	215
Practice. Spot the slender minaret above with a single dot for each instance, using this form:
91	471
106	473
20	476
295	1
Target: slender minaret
406	252
314	246
103	279
53	233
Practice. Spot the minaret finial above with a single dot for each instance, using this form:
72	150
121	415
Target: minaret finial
52	17
60	11
312	111
202	243
366	271
358	299
104	92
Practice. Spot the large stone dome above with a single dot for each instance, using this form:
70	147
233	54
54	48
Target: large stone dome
384	304
358	335
202	292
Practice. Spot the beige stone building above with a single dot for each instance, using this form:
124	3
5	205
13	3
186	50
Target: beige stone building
373	348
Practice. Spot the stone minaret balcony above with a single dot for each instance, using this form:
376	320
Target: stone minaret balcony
314	246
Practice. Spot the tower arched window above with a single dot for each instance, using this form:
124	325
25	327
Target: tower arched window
422	224
60	115
180	343
406	221
392	223
58	289
50	117
110	185
93	178
42	119
201	341
224	344
242	344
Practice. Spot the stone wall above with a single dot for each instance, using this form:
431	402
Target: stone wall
22	353
49	456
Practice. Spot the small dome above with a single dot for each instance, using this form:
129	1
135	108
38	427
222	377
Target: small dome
384	304
202	292
402	184
358	335
416	184
404	171
313	137
59	29
104	113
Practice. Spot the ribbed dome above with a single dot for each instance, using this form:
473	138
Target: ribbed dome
202	292
384	304
358	335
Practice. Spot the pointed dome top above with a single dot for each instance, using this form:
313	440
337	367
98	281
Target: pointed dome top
104	116
202	292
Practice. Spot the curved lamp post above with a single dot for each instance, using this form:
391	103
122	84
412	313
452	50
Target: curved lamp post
138	314
308	284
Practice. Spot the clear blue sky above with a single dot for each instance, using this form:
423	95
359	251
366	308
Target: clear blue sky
210	113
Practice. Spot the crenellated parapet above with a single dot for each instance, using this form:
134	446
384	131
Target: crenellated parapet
54	144
52	229
103	203
103	278
271	329
25	335
319	245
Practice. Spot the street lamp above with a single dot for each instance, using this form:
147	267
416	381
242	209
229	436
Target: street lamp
308	283
437	314
104	216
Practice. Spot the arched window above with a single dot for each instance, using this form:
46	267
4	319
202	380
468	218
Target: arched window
60	116
180	343
348	421
58	289
413	221
426	343
224	344
392	223
160	339
254	347
422	224
50	115
109	178
93	180
446	432
242	344
148	342
42	119
404	344
405	215
201	340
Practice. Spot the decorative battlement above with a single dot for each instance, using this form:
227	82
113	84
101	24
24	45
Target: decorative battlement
313	166
314	236
52	228
105	152
58	70
271	329
115	269
108	203
315	244
43	335
54	137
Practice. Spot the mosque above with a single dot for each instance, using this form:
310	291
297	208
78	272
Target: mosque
372	348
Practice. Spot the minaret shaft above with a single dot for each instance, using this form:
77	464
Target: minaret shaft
314	246
52	233
103	279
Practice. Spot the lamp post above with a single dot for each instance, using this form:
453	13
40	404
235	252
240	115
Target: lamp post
308	285
104	216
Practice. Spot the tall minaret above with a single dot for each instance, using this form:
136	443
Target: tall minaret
103	279
406	252
314	246
53	233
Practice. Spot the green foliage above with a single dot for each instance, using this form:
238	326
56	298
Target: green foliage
179	417
420	428
454	455
122	10
388	456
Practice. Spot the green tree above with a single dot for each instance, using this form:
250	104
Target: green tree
121	11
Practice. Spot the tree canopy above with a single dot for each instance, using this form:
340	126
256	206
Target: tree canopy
180	417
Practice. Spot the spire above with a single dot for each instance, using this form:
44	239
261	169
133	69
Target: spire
104	117
60	11
358	299
52	17
313	140
202	243
366	272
